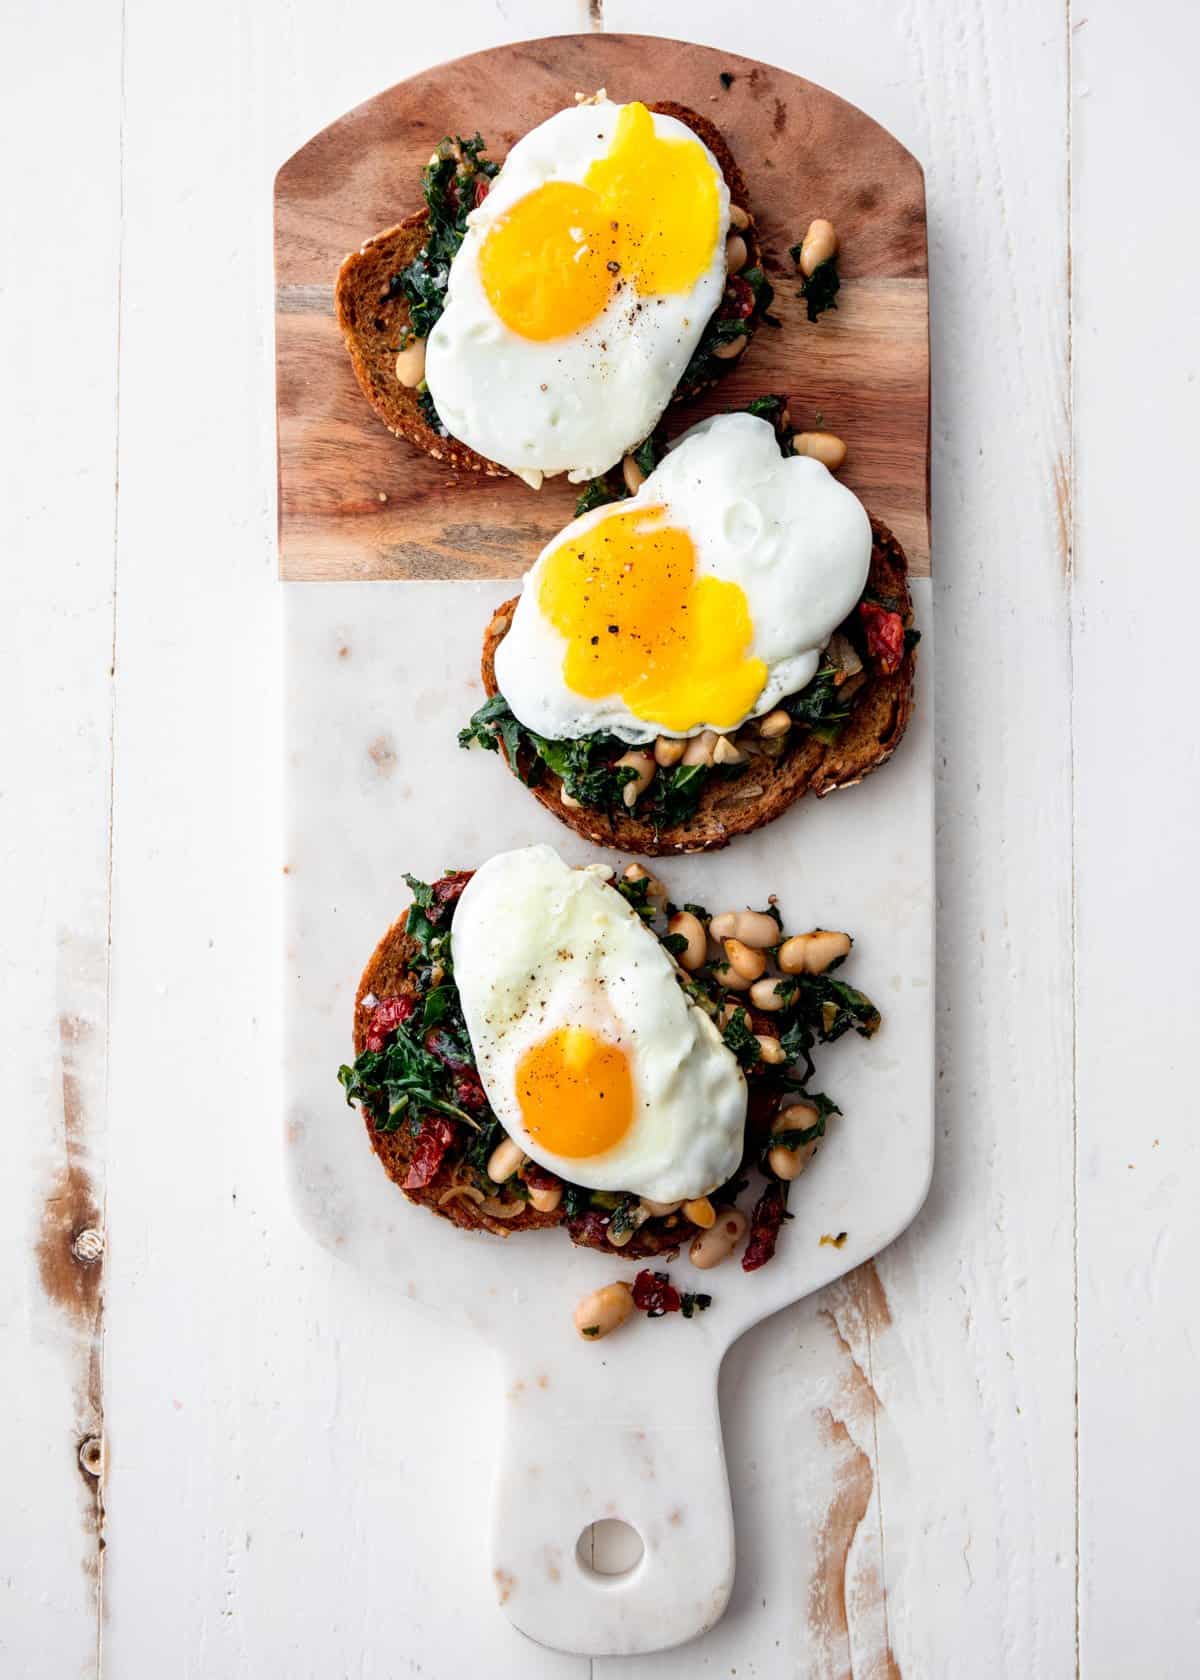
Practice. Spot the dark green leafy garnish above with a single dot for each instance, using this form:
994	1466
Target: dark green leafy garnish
429	413
576	1200
399	1082
673	795
597	493
623	1219
690	1303
740	1037
722	328
637	894
820	288
491	724
797	1136
775	409
825	1008
450	184
819	704
611	486
586	767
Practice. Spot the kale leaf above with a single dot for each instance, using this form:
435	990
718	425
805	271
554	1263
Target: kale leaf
493	723
673	795
820	288
797	1136
402	1081
819	704
597	493
740	1037
450	182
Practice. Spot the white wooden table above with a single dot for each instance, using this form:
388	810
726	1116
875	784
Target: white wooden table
975	1458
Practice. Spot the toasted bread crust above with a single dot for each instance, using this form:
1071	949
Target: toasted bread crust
372	321
728	808
387	975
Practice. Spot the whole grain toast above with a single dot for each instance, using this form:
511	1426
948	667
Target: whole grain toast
387	975
870	735
373	320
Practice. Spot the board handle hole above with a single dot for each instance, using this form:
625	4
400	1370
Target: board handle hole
609	1548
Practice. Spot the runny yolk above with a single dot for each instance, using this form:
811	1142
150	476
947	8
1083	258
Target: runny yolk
576	1093
648	213
639	623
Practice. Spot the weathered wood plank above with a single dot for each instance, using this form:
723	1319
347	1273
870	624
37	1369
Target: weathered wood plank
56	537
1137	832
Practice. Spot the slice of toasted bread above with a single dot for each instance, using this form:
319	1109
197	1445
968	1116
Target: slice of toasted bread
373	321
387	975
763	791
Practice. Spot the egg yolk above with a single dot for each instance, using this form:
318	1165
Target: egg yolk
576	1093
648	214
638	622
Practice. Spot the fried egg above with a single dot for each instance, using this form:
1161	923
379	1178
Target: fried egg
582	287
702	601
592	1056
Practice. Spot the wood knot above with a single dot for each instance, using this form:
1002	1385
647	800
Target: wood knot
88	1246
91	1455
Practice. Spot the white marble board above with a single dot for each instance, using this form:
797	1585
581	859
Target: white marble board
380	675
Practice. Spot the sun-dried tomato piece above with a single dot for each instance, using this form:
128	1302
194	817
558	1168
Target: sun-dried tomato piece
764	1228
655	1294
389	1013
469	1092
437	1134
885	635
739	299
538	1178
482	187
589	1229
447	892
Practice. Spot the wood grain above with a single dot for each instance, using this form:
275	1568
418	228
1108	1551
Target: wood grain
354	502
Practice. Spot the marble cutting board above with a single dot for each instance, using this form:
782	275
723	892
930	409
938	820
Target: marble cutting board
380	675
392	568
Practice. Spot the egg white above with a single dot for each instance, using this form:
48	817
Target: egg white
538	946
574	404
795	539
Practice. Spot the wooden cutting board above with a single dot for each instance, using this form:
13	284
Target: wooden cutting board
354	502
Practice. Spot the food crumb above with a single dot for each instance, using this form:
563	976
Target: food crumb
833	1242
383	495
727	79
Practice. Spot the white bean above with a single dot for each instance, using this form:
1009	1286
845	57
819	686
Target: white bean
744	959
752	927
812	953
410	363
504	1161
818	246
764	996
644	765
691	928
699	749
821	446
604	1310
719	1241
